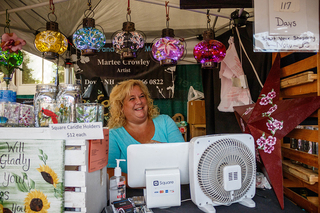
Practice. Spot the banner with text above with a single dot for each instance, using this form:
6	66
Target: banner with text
107	65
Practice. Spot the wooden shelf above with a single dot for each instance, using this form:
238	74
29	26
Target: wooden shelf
303	157
300	201
298	82
302	173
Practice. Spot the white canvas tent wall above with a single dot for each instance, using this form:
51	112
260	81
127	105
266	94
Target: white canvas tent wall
30	16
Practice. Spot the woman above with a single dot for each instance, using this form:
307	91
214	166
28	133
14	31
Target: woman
134	119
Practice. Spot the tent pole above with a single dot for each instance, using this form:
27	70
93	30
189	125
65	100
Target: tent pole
178	7
31	6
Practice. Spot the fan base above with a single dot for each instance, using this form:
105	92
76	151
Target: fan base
207	208
247	202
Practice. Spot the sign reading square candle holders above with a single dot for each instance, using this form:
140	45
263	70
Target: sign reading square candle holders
32	175
286	25
92	130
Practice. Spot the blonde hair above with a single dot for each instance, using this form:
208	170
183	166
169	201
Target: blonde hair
117	96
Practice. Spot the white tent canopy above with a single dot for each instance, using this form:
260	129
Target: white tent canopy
27	17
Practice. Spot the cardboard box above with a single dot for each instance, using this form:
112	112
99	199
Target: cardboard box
196	112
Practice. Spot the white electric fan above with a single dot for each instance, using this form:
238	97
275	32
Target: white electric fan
222	170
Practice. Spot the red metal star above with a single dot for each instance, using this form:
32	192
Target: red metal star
269	120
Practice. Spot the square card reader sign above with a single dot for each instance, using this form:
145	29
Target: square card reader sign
84	131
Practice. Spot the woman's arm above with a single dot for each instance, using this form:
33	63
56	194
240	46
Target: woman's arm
174	134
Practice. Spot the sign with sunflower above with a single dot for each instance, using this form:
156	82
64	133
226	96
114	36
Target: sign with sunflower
32	176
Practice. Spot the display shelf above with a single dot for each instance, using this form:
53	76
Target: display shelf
299	171
298	176
197	130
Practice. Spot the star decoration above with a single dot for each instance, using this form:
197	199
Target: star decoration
269	120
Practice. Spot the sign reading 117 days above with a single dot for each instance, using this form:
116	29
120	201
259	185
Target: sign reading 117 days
286	25
32	176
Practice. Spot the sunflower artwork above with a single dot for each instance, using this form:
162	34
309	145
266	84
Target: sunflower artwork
31	176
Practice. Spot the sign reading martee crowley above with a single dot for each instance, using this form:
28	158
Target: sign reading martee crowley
107	65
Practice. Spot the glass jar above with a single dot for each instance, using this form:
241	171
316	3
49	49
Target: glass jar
8	91
69	95
45	93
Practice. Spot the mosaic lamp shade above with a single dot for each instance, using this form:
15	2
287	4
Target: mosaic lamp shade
167	49
127	42
89	39
51	42
13	58
209	52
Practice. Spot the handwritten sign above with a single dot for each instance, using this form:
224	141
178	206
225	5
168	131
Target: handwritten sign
287	17
291	25
32	175
93	130
286	5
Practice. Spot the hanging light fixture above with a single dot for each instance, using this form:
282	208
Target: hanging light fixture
11	56
167	49
127	42
51	42
209	52
89	39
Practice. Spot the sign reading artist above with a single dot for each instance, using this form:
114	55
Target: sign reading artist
107	65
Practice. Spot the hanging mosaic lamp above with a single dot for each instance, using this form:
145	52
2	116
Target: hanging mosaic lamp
127	42
167	49
51	42
89	39
11	56
209	52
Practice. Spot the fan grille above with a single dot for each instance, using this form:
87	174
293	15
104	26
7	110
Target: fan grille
225	152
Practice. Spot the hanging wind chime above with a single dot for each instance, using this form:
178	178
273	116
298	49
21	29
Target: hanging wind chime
89	39
51	42
167	49
127	42
209	52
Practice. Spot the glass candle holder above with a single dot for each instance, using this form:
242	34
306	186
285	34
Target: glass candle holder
12	112
101	113
3	116
89	112
26	118
48	114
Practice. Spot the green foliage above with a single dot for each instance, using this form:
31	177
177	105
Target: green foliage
59	190
27	77
24	184
43	156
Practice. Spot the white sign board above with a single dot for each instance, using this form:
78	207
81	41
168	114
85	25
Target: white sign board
284	26
87	131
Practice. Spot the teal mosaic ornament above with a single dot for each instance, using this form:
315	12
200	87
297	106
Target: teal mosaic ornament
89	38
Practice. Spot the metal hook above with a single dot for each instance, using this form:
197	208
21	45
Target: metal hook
7	26
208	19
167	13
54	17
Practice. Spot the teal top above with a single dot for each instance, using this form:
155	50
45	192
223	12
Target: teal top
166	131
